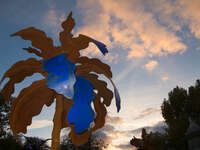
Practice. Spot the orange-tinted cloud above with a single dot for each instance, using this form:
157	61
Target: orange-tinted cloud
120	147
147	112
178	13
113	120
126	24
151	65
53	21
198	49
40	124
143	28
125	147
158	127
165	78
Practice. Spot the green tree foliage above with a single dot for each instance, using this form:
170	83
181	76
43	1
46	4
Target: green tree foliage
4	113
156	140
174	112
181	106
36	143
193	102
176	117
9	143
149	141
92	144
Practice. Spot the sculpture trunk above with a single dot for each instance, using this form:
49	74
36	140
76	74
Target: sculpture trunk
57	121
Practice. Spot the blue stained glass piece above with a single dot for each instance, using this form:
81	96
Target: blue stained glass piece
117	96
81	114
117	99
83	90
60	77
101	46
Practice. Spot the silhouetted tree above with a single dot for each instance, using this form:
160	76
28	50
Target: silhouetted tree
9	143
4	113
149	141
193	102
92	144
174	113
176	117
36	143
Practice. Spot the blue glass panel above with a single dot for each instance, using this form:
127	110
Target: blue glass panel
117	96
101	46
117	99
81	114
60	75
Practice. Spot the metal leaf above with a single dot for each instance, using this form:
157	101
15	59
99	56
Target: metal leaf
93	65
28	104
39	40
17	73
72	45
33	50
100	113
101	87
65	35
101	46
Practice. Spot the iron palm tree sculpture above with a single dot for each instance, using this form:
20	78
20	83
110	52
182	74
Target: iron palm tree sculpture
30	100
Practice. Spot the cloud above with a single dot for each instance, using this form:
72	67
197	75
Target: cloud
120	147
108	128
147	112
40	124
189	11
158	127
111	58
198	49
142	28
151	65
53	19
165	78
125	146
117	138
129	26
178	14
104	134
108	134
113	119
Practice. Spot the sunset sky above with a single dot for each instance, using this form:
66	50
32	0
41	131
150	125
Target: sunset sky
154	45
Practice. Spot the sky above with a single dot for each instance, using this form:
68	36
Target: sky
154	45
